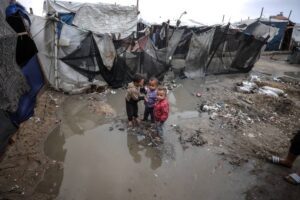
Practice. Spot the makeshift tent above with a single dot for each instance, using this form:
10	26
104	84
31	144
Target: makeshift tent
275	43
222	50
155	62
12	82
32	72
72	56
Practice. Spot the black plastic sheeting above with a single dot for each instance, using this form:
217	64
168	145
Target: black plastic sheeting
26	47
86	60
7	129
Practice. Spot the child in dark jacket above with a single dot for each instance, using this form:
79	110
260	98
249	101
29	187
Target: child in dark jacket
150	99
133	96
161	111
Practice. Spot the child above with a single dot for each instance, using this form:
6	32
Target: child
150	99
161	111
133	96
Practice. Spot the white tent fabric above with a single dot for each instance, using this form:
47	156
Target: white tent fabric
107	50
43	33
99	18
107	18
62	6
296	33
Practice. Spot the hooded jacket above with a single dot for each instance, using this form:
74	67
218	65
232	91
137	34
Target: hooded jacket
161	110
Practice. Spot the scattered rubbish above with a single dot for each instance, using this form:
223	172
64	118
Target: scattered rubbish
246	87
250	135
276	90
207	108
173	125
111	128
113	92
191	136
267	92
254	78
198	94
213	116
155	175
121	129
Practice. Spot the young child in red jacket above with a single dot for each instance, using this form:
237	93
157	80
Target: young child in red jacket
161	111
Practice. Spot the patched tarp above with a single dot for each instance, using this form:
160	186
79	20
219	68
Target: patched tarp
86	58
156	62
275	43
68	79
107	50
259	29
198	54
222	50
12	82
32	72
107	18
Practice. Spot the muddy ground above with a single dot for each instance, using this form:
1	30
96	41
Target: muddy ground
216	142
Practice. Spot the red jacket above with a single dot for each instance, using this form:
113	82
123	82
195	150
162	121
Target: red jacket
161	110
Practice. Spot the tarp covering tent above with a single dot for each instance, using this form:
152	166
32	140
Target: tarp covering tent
275	43
99	18
12	82
62	55
32	72
157	61
257	29
58	74
222	50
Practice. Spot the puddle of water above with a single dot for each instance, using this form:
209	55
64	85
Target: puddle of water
104	162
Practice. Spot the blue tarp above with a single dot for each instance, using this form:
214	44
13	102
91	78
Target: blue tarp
66	18
274	44
14	8
33	74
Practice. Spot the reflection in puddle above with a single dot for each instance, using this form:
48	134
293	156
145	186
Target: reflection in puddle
105	162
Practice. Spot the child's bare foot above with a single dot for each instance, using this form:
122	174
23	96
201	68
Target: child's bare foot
130	124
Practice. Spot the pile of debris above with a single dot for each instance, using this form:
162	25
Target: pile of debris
253	86
194	137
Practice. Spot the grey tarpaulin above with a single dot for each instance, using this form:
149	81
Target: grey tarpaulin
173	43
107	50
259	29
198	53
107	18
222	50
155	61
12	82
